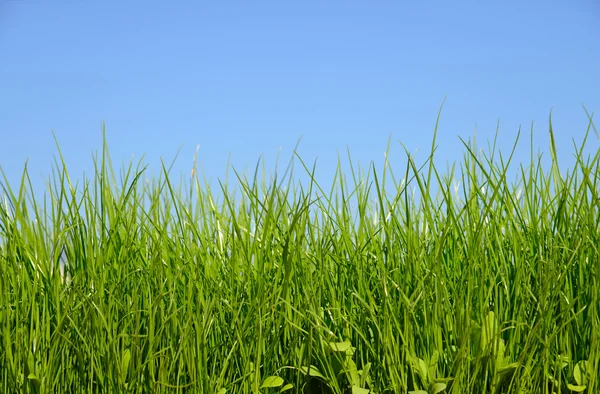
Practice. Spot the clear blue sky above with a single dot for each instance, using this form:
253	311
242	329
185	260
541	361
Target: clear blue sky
251	78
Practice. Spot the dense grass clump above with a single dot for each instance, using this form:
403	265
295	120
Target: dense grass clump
420	282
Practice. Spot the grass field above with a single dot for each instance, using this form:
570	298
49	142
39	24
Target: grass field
395	280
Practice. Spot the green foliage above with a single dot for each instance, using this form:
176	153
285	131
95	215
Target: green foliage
384	284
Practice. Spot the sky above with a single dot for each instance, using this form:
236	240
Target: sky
245	80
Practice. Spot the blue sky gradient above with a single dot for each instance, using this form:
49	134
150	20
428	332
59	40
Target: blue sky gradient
245	79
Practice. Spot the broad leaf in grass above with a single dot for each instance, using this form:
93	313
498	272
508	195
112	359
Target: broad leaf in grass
421	369
563	361
312	371
581	373
340	346
489	330
287	387
576	389
437	388
499	349
360	390
125	364
35	381
271	381
352	371
434	358
364	375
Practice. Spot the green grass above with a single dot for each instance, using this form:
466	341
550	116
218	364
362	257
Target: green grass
387	283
